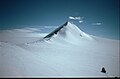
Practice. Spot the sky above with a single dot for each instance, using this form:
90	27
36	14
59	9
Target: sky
99	17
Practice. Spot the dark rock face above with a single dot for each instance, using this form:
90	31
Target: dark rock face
55	31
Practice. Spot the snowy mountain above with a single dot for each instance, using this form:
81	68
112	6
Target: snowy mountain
69	32
65	52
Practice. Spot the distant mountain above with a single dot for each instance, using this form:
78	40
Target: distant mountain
68	31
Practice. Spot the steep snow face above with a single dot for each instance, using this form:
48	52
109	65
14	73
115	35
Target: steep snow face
68	32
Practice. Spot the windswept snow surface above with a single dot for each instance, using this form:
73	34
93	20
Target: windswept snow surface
65	52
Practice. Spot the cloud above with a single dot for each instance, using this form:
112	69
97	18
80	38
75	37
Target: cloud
75	18
97	24
32	29
27	30
70	17
80	21
50	27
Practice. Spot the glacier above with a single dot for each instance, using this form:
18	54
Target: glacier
65	52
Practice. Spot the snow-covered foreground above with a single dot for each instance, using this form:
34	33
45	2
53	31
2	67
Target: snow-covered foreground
65	52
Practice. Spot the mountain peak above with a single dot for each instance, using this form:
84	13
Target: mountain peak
68	31
66	23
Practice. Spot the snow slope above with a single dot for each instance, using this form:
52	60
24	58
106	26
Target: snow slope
17	62
65	52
